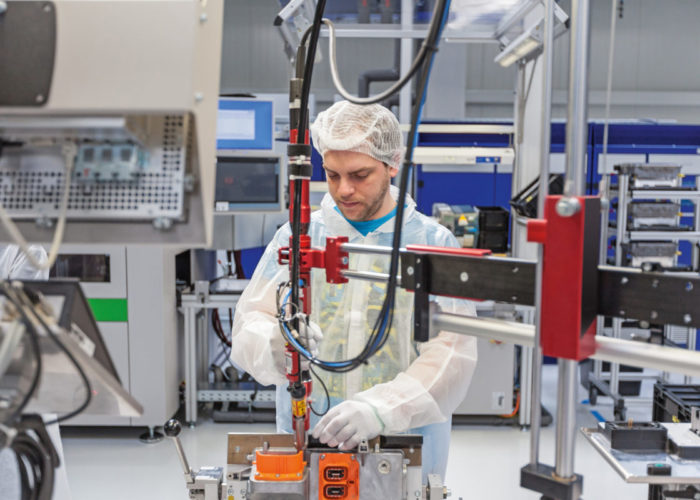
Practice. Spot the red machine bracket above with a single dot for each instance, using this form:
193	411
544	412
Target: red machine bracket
570	277
333	259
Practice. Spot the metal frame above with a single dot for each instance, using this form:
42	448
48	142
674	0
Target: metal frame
195	307
607	349
618	460
623	235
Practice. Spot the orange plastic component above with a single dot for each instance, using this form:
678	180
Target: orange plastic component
279	467
338	476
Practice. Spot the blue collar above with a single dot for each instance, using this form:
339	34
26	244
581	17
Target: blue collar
367	226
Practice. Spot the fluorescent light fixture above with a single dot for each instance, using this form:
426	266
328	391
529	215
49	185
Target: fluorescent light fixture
524	46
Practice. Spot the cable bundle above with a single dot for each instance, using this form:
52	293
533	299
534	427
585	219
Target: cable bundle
423	61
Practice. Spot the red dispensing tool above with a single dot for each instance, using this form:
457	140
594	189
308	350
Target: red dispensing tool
301	258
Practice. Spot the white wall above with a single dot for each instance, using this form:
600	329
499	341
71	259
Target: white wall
657	70
656	73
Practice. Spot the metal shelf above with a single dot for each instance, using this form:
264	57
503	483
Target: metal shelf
377	31
663	235
608	384
218	393
671	194
689	194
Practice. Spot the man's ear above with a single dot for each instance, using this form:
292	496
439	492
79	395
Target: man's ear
393	171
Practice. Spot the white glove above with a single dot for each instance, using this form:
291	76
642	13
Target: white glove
347	424
311	337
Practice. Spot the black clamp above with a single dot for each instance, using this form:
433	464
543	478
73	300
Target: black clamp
421	297
543	479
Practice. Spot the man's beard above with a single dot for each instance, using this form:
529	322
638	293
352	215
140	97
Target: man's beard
374	206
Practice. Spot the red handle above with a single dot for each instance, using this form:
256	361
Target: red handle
471	252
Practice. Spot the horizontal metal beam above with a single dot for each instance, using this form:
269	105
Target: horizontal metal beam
664	235
463	155
661	298
679	194
239	396
461	128
487	278
595	97
627	352
394	31
366	249
369	276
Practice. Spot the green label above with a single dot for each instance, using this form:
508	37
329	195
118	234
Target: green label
109	309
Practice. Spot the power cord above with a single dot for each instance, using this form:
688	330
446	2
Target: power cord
70	152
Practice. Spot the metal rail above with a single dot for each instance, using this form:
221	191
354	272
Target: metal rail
629	352
543	191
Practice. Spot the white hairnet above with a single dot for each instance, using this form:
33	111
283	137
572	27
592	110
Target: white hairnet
372	130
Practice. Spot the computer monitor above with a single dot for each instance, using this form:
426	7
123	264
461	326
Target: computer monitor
248	183
245	123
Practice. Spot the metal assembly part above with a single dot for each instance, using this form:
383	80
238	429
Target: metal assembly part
567	207
543	479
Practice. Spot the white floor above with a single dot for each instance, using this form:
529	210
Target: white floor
484	462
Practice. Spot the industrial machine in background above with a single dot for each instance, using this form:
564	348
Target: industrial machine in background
644	231
131	291
107	137
250	194
115	135
475	227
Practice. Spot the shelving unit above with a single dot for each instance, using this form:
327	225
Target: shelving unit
647	231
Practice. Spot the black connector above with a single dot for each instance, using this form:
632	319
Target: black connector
335	473
335	491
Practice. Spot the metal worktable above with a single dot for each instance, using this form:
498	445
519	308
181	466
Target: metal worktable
632	467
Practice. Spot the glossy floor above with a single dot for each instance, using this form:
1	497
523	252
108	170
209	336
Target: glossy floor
484	462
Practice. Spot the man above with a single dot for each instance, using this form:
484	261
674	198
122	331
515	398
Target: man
404	387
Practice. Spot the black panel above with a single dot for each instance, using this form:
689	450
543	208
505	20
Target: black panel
27	51
654	297
400	441
543	479
421	299
591	251
504	280
637	437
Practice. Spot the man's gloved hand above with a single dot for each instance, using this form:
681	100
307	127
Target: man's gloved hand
347	424
315	336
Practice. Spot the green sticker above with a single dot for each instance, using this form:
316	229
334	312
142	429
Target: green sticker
109	309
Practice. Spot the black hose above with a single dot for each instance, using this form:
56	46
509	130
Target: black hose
385	317
308	71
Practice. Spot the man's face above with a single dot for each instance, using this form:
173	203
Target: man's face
359	184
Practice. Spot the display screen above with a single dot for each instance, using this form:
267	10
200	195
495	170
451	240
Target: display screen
90	268
246	181
244	124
